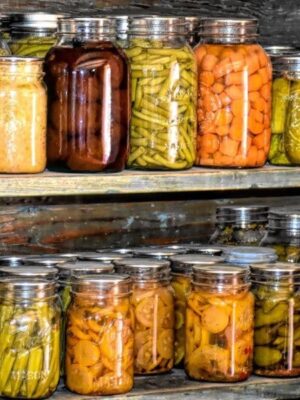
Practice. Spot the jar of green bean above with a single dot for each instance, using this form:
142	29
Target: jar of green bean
164	92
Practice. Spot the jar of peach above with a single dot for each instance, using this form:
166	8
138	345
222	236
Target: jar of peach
219	324
99	336
153	309
234	95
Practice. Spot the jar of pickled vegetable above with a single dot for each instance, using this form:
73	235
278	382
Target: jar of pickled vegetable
234	95
240	225
277	319
250	255
22	115
29	338
163	95
284	234
181	283
219	324
88	108
202	249
278	51
33	34
99	345
153	308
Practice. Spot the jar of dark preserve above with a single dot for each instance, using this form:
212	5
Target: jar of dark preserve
88	109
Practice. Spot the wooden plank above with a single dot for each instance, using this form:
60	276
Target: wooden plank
141	182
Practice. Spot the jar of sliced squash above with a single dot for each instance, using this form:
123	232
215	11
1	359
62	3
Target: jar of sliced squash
277	319
181	284
153	308
99	344
219	324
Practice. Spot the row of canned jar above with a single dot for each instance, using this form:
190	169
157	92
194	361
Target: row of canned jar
156	105
124	316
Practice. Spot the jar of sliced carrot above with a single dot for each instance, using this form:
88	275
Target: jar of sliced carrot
234	95
153	309
181	284
219	324
99	345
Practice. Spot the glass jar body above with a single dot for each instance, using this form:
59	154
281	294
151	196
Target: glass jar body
248	234
30	348
163	98
32	43
219	334
234	105
276	329
88	106
153	308
285	242
23	118
99	345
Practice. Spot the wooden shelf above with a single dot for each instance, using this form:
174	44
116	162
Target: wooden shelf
139	182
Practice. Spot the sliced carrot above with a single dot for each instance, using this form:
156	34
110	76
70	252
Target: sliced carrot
222	130
200	114
267	133
242	50
229	147
209	143
259	103
264	73
234	92
256	115
234	78
207	126
252	63
260	141
218	88
209	62
207	78
225	99
255	82
252	156
200	52
223	117
211	102
240	161
265	91
261	158
223	67
217	157
263	58
254	96
237	107
227	53
214	49
226	161
238	62
236	129
267	121
205	161
255	127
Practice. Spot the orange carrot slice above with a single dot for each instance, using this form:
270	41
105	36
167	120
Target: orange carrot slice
236	129
234	78
234	92
209	143
200	52
260	141
223	67
225	99
238	62
255	82
209	62
265	91
252	62
223	117
222	130
229	147
260	158
252	156
264	73
237	107
218	88
207	78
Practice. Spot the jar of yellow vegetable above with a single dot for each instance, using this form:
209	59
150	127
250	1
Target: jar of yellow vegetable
181	284
29	338
153	309
219	324
277	319
163	95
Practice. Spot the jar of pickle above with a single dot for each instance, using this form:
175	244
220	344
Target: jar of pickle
240	225
219	324
277	319
29	338
193	30
23	111
30	272
284	233
99	345
163	94
234	95
250	255
47	260
33	34
88	108
181	283
153	308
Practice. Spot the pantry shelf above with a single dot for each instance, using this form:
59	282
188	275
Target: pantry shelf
141	182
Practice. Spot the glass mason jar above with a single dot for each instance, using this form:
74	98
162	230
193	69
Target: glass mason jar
23	109
219	324
163	94
277	319
193	37
127	251
247	256
153	308
29	337
181	283
30	272
234	95
4	49
240	225
284	234
33	34
88	103
47	260
99	345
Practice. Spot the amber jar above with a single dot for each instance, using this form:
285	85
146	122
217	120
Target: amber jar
234	95
99	345
153	308
88	114
219	324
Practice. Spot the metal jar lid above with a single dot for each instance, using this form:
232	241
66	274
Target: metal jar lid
220	275
245	255
119	250
34	272
35	21
278	50
284	273
156	26
184	264
288	63
241	214
12	260
143	268
84	268
46	260
102	257
284	218
86	26
161	253
206	250
19	289
102	285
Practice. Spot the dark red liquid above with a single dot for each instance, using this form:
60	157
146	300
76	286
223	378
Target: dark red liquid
88	107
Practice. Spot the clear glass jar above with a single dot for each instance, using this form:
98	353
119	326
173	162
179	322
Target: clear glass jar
250	255
33	34
153	308
277	319
234	95
284	234
99	345
193	23
30	272
23	110
29	337
181	283
240	225
219	324
163	95
88	89
46	260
